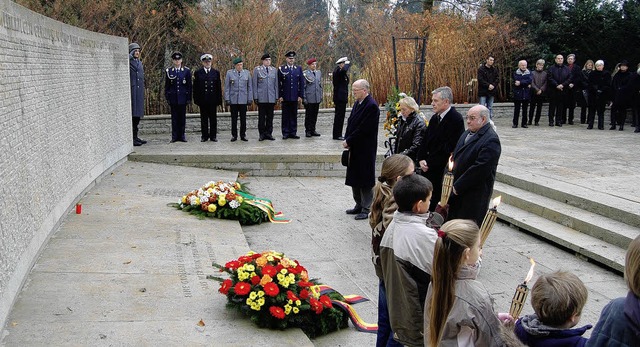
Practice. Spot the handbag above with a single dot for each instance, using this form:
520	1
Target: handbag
345	158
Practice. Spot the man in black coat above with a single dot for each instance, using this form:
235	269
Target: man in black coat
575	88
361	139
559	80
207	94
441	136
475	161
488	80
340	95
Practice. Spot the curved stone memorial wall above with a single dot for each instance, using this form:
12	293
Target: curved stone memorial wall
65	119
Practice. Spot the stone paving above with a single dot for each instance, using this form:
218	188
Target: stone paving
131	271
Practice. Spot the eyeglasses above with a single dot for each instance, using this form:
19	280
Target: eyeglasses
471	118
357	89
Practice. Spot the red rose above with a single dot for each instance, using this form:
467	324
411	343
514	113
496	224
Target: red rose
242	288
304	294
277	312
232	265
255	280
225	286
326	301
269	270
316	305
291	296
271	289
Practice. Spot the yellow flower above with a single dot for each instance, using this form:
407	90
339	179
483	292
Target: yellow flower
255	307
249	301
261	293
243	275
298	302
222	201
197	201
212	208
280	277
240	199
292	277
287	309
253	295
270	258
296	310
260	301
265	279
284	271
250	267
262	261
184	199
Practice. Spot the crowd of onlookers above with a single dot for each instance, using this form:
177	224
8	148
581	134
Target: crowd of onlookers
566	87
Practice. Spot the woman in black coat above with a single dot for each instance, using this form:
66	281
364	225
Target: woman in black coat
619	86
599	86
583	101
411	128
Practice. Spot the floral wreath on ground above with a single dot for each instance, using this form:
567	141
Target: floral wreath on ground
277	293
228	200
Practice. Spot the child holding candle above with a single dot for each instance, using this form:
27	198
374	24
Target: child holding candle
557	299
459	310
619	323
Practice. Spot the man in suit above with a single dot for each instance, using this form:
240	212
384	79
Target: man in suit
475	161
312	97
559	80
441	136
177	91
207	94
361	139
238	94
340	95
136	76
291	85
265	94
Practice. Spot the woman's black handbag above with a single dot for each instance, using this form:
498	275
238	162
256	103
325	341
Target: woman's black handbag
345	158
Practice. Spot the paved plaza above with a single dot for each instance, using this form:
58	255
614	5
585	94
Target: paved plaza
129	270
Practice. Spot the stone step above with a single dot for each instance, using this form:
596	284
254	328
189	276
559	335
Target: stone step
595	225
583	245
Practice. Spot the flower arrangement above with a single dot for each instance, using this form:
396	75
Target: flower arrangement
276	293
228	200
392	106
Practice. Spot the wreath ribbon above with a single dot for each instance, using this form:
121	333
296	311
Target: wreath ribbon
266	206
346	305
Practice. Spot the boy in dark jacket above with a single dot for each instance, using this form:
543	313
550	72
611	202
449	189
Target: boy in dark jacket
557	299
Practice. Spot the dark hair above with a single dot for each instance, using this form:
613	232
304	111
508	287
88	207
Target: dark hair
409	190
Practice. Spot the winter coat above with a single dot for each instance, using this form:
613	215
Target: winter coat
621	88
532	332
599	86
406	255
539	81
619	324
472	310
559	75
341	84
136	77
487	76
523	91
362	138
410	134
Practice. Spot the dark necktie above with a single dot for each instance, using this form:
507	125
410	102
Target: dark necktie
437	118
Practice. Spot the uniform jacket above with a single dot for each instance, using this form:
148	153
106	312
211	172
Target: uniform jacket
177	85
439	141
237	87
619	324
410	134
559	74
207	89
290	82
136	76
472	310
474	172
362	138
599	86
523	91
312	87
539	81
532	332
341	84
487	76
265	84
406	255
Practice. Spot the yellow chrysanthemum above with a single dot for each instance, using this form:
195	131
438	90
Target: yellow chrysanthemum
243	275
240	199
222	201
260	301
184	199
284	271
296	310
212	208
253	295
261	293
255	307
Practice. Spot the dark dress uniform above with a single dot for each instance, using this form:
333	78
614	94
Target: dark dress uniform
207	94
177	91
136	77
340	98
291	85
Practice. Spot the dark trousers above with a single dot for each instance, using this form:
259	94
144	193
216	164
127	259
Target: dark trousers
208	121
363	196
618	114
435	176
289	118
584	110
569	106
597	106
536	108
338	118
516	111
556	107
265	119
311	117
135	121
241	110
178	122
385	333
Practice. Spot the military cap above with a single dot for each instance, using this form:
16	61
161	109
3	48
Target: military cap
342	60
133	46
311	61
290	54
206	56
176	55
237	60
265	56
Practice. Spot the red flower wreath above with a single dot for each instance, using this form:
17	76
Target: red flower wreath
271	289
242	288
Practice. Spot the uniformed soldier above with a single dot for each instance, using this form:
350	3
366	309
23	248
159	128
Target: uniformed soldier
207	94
136	76
238	94
177	91
265	94
291	85
340	95
312	97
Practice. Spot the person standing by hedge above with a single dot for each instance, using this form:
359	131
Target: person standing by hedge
522	79
136	76
488	79
177	91
539	86
207	94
